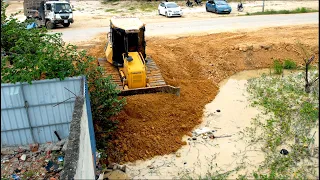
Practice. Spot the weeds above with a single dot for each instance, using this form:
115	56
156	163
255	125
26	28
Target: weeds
289	64
277	66
295	11
131	8
109	1
147	7
110	10
134	6
293	115
29	174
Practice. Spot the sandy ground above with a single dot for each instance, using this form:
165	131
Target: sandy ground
93	13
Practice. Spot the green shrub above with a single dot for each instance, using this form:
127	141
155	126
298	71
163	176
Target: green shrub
289	64
110	10
297	10
32	54
277	66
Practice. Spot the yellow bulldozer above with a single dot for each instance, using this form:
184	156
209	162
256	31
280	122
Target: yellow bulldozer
126	60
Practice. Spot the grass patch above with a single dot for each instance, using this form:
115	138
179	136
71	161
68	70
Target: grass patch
292	118
110	1
277	67
131	8
295	11
148	6
110	10
289	64
79	9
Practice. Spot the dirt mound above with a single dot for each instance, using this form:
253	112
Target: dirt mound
154	124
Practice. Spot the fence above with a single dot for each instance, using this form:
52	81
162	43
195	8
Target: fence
33	113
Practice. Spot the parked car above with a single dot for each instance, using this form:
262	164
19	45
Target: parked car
169	9
218	6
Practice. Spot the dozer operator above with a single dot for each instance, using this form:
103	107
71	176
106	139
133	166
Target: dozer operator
127	63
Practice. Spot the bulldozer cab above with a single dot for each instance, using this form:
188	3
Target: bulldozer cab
126	35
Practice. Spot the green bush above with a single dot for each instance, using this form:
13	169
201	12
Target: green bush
289	64
297	10
32	54
277	66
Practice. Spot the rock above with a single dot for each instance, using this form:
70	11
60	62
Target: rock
200	131
150	166
243	48
34	147
256	47
194	138
117	174
204	137
56	148
64	148
49	147
218	110
266	47
23	157
284	152
178	154
61	143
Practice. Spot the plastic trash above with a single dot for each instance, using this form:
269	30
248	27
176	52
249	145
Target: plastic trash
60	158
284	152
15	177
32	25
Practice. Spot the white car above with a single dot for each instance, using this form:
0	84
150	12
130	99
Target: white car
169	9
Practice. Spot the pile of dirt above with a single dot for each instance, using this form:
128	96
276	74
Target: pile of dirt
154	124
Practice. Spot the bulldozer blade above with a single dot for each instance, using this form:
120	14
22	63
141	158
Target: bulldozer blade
156	81
148	90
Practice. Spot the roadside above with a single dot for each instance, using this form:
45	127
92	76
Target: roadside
89	14
207	26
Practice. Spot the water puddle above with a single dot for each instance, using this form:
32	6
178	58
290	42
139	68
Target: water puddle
228	114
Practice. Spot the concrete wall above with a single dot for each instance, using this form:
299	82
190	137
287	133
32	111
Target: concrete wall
85	167
80	154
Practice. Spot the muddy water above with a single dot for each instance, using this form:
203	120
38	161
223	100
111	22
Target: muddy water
228	114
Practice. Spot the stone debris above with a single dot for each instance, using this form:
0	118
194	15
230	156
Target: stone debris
200	131
204	133
35	161
23	157
113	171
178	154
117	174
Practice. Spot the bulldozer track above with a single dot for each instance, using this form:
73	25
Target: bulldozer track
153	73
111	70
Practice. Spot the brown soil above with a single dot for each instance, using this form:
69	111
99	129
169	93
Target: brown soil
153	124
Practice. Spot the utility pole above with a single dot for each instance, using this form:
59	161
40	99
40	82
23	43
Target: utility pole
263	5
